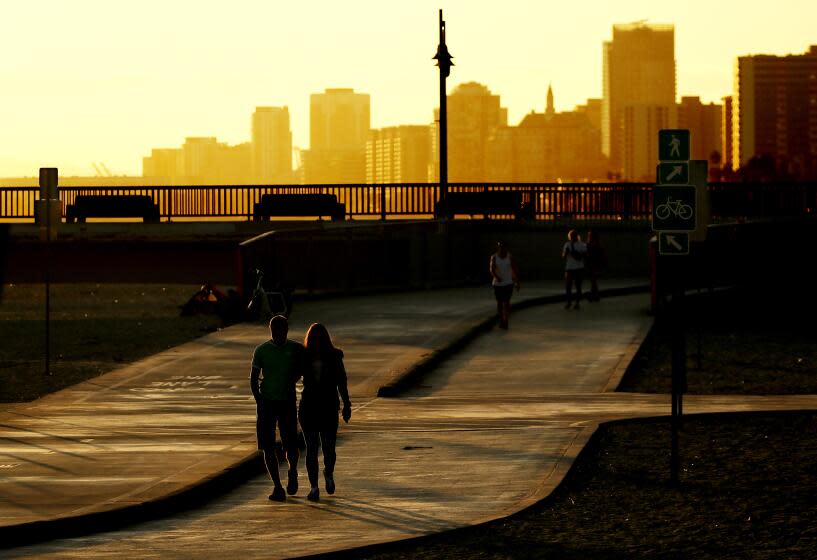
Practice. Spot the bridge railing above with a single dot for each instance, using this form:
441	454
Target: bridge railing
609	201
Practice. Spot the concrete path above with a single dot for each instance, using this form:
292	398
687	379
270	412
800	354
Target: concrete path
490	431
167	424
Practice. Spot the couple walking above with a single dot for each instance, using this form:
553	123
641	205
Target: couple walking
276	366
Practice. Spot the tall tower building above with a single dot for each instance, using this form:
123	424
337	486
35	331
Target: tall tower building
163	163
704	124
398	154
726	134
639	73
271	146
474	115
549	109
774	112
200	159
339	123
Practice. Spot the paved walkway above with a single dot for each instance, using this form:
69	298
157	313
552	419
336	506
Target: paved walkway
490	431
169	422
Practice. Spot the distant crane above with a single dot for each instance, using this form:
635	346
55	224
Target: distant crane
101	170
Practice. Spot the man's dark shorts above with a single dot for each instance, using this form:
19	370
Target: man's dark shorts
271	413
503	293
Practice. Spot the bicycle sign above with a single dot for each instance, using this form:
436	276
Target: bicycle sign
673	208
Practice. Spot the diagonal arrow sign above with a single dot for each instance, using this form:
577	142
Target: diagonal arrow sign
676	170
673	243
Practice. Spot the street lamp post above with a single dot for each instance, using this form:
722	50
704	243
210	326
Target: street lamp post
443	58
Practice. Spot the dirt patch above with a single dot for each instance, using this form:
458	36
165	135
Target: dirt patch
738	342
748	482
748	486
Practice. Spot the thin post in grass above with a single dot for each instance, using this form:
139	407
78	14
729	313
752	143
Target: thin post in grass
48	192
679	377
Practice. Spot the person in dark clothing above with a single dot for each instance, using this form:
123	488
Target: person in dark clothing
277	365
324	378
573	252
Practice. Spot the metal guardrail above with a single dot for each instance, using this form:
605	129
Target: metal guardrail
607	201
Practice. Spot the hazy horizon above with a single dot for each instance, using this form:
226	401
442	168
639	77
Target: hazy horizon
94	81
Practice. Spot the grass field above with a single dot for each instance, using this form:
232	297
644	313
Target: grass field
94	329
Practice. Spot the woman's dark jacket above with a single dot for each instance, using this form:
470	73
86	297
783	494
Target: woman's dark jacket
321	387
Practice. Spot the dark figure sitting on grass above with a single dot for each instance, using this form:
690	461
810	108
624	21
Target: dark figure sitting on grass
324	378
276	366
210	300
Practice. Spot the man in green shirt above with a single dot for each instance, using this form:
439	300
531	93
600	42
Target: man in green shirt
276	365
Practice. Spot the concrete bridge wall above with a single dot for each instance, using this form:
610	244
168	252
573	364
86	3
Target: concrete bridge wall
313	256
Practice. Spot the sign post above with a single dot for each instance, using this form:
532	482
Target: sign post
674	216
48	192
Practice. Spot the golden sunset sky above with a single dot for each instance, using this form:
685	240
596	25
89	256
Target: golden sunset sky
106	80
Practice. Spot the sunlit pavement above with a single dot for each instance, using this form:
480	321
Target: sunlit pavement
490	431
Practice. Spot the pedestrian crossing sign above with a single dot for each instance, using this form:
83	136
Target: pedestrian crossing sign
673	144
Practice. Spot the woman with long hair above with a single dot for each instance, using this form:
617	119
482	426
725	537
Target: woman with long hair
324	379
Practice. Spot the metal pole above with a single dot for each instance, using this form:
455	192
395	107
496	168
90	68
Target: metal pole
443	58
48	286
48	182
443	131
678	371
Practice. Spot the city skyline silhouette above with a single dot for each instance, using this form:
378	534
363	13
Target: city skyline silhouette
162	78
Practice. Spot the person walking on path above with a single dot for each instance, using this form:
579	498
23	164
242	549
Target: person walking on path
324	379
595	262
505	276
574	253
277	365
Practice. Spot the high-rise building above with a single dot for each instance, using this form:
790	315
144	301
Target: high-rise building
774	112
639	138
163	163
339	122
547	147
233	164
398	154
638	72
474	115
271	146
726	134
200	161
592	109
704	125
